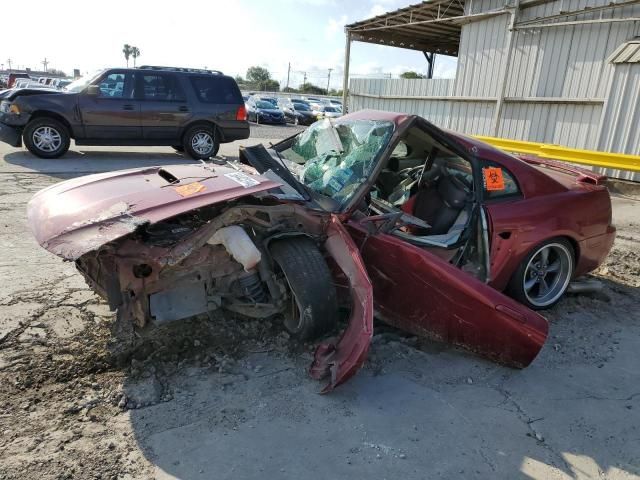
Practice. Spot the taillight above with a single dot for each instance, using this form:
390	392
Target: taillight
241	114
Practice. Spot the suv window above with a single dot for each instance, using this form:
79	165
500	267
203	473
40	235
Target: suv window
211	89
117	85
162	88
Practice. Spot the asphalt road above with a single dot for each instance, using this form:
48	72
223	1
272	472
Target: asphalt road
417	410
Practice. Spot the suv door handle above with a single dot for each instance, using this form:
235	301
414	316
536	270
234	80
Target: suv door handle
127	107
183	109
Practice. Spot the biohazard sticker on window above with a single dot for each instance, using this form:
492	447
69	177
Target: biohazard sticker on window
493	178
189	189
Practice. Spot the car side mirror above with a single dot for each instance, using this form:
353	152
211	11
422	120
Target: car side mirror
93	90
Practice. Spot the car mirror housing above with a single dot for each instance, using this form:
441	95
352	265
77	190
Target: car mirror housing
93	90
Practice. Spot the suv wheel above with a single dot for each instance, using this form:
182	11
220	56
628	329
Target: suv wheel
46	138
201	142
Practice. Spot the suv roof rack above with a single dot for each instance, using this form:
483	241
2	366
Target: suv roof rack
180	69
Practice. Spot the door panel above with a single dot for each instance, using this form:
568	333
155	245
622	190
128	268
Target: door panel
164	107
163	120
114	113
419	292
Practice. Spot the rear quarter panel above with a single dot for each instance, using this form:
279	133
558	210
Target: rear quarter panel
580	213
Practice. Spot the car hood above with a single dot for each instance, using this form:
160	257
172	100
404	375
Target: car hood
26	92
74	217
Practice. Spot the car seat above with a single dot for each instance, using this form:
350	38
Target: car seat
439	205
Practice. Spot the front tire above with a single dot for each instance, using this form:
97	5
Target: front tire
201	142
46	137
544	275
313	303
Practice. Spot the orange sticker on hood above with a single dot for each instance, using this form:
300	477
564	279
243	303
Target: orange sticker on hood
493	178
190	189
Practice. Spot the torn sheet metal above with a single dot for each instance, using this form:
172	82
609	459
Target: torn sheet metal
340	361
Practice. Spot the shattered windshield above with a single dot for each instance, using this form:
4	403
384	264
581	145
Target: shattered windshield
335	158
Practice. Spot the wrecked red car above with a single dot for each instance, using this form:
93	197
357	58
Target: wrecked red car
372	211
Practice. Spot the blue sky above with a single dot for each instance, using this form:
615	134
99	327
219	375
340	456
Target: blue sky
229	35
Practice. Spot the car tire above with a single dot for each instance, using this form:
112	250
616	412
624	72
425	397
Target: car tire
313	302
201	142
178	148
46	137
543	276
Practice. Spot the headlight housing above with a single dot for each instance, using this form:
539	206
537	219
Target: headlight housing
8	107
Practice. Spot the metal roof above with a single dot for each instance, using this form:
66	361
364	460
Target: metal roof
628	52
430	26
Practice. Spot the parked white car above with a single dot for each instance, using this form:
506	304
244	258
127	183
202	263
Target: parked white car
329	111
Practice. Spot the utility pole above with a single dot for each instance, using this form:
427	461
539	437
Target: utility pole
9	63
328	80
45	62
288	72
304	80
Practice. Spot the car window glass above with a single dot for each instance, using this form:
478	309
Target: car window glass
162	88
116	85
498	182
335	159
400	151
212	89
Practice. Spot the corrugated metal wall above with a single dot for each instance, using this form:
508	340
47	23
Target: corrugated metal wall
590	103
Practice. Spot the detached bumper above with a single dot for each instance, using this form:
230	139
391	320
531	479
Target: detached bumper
11	135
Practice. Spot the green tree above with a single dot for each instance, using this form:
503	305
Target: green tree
411	74
127	52
135	53
270	86
313	89
239	79
258	75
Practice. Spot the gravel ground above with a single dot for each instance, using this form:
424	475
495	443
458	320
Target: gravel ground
230	398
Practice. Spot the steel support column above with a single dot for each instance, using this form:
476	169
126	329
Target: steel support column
503	81
345	80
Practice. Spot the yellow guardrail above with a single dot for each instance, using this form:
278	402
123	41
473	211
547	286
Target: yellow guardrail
618	161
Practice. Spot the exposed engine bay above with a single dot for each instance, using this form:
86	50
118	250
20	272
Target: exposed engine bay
250	259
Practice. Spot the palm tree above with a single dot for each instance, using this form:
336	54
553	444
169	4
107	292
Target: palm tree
135	53
127	52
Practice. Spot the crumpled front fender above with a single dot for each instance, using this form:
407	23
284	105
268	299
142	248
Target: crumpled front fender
341	360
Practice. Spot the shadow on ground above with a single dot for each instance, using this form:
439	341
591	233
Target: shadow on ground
416	407
83	162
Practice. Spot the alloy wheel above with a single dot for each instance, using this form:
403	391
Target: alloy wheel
547	274
47	139
202	143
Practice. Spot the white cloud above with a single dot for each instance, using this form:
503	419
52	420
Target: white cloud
376	10
335	26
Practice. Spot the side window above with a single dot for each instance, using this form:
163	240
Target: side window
498	182
213	89
116	85
162	88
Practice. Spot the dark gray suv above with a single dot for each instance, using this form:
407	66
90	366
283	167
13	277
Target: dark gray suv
192	110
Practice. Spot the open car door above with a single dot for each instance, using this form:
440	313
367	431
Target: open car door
417	291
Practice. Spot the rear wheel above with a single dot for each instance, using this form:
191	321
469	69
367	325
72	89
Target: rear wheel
201	142
313	305
46	137
544	275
